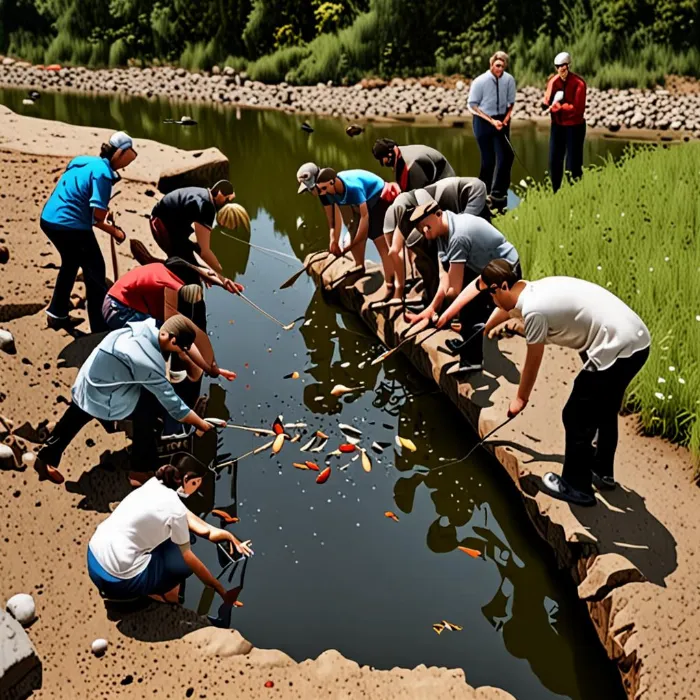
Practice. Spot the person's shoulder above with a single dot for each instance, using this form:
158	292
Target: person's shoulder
578	78
100	167
481	78
552	79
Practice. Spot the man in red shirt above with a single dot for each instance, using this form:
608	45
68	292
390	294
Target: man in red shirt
565	100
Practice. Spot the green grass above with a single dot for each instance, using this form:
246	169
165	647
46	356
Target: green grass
632	227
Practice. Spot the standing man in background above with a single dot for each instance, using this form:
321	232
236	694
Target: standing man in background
491	99
565	100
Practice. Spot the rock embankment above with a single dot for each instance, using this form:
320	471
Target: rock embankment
609	109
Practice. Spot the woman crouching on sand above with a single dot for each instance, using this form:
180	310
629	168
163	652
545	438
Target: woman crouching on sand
143	547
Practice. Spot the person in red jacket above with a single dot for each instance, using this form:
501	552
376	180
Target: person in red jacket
565	100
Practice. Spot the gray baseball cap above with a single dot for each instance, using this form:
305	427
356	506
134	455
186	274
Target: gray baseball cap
121	140
307	176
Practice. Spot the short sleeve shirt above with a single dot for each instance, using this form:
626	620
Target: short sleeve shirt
360	186
583	316
147	517
473	241
143	289
85	185
425	165
180	209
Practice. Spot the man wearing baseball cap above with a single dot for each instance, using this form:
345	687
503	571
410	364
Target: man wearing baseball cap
466	244
180	211
565	100
80	201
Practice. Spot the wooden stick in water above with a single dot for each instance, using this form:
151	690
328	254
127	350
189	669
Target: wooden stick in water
305	268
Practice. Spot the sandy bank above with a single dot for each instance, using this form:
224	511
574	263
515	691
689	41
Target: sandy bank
163	651
633	556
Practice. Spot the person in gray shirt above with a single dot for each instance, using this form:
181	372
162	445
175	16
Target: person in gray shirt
491	100
466	244
455	194
414	166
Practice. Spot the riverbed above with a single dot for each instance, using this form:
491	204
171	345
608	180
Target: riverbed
330	570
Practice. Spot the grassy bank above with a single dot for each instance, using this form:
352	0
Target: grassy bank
632	227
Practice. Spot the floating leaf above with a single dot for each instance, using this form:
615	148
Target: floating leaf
312	465
347	447
228	519
323	476
299	466
350	429
340	389
393	516
307	447
277	444
366	461
406	443
471	552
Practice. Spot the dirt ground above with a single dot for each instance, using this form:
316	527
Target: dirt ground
161	652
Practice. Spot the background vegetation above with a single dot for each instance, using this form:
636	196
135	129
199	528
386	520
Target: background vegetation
642	245
615	43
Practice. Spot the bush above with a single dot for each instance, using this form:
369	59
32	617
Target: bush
274	68
606	229
118	53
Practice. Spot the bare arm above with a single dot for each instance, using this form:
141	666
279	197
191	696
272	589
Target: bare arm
201	572
363	228
533	360
476	110
335	226
215	534
509	113
103	221
396	253
470	292
497	317
203	234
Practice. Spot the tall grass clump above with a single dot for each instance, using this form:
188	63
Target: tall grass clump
274	67
632	227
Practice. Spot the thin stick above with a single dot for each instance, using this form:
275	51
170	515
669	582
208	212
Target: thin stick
221	423
269	251
390	352
304	269
256	451
287	327
115	264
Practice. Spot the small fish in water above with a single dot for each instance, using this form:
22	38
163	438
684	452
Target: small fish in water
347	447
451	627
278	426
33	94
323	476
313	466
393	516
340	389
27	101
187	121
293	375
308	445
438	627
471	552
319	447
377	448
320	434
366	461
406	443
349	429
345	364
307	128
228	519
354	130
299	466
361	365
278	443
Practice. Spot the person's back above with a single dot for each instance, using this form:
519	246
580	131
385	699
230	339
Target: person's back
424	165
459	194
180	209
86	184
143	288
360	186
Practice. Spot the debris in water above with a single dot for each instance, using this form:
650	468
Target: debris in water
307	446
295	425
293	375
278	443
347	447
471	552
323	476
300	222
361	365
438	627
366	461
299	466
307	128
352	440
228	519
312	465
340	389
377	448
405	442
321	434
296	438
319	447
350	429
345	364
393	516
451	627
354	130
278	426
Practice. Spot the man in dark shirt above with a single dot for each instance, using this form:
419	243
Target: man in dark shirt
180	211
414	166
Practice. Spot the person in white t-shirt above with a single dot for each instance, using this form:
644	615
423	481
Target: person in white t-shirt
143	547
613	343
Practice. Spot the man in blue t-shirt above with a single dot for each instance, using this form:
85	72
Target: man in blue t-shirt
359	198
80	201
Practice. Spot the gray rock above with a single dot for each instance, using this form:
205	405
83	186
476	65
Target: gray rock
7	61
22	608
7	342
20	668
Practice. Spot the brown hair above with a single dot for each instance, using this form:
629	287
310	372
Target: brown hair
107	151
326	175
173	477
497	272
182	329
499	56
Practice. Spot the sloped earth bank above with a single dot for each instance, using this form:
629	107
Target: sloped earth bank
657	114
633	556
162	652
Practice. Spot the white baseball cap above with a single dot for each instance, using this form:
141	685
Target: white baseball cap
306	176
562	58
122	140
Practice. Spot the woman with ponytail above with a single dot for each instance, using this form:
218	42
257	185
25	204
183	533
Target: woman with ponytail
143	547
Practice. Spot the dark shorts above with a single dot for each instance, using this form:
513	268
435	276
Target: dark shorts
117	315
165	570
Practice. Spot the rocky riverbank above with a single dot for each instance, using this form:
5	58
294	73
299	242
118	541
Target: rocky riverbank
675	110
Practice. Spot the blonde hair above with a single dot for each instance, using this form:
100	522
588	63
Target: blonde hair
499	56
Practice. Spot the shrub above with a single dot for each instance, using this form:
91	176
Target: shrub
118	53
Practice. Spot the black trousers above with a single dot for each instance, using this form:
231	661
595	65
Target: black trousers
78	250
566	142
147	419
593	407
496	155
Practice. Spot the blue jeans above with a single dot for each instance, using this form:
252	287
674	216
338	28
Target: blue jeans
566	141
165	570
117	315
496	155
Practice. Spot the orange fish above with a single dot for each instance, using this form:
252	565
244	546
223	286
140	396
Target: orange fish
323	476
278	427
347	447
225	516
391	515
237	604
299	466
471	552
321	434
312	465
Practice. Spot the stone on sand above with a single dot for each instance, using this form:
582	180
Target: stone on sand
7	342
20	668
7	457
22	608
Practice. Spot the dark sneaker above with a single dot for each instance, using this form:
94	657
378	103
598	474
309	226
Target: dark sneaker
66	322
46	472
555	486
604	483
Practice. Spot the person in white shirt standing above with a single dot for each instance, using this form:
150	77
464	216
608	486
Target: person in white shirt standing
491	100
143	548
613	343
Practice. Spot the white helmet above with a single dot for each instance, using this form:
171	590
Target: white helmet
562	58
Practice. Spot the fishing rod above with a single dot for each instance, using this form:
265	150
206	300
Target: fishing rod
221	423
305	268
262	249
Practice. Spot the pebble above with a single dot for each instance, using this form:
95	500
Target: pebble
22	608
7	342
28	458
7	456
99	647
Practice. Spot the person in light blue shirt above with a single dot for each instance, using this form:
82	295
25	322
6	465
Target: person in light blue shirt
491	100
80	201
125	376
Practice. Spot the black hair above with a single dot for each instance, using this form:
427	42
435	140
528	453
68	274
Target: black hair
107	151
174	476
497	272
383	147
326	175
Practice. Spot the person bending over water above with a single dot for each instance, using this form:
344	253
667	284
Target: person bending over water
143	548
414	166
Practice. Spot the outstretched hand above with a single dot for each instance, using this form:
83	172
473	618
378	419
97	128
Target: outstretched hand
233	287
227	374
